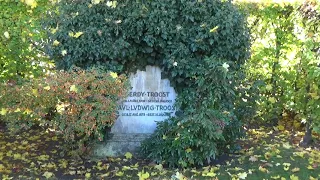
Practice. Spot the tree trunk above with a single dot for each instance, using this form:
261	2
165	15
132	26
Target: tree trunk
307	139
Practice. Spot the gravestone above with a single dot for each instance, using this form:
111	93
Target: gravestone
151	99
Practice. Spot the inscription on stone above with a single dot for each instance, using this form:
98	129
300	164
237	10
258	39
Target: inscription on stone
151	99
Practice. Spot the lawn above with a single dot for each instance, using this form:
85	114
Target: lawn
265	154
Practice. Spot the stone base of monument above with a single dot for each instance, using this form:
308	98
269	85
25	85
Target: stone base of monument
119	144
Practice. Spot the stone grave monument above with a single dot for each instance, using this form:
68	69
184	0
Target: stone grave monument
151	99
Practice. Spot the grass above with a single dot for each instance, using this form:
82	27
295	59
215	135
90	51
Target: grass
265	154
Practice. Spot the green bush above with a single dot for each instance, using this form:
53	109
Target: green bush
81	104
199	45
190	140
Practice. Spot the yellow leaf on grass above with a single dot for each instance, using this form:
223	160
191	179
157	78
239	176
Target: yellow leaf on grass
128	155
119	173
154	173
293	177
63	164
242	175
125	168
159	167
295	169
286	145
135	165
286	166
310	167
75	35
275	177
16	156
312	178
43	157
262	169
47	174
211	174
88	175
267	155
142	175
188	150
300	154
105	175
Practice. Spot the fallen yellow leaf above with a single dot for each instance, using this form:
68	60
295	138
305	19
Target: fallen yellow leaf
142	175
242	175
295	169
128	155
88	175
262	169
47	174
159	167
119	173
293	177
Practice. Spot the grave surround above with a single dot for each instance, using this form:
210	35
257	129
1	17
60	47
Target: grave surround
150	99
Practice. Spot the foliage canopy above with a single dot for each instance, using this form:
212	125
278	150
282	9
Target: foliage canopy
199	45
21	38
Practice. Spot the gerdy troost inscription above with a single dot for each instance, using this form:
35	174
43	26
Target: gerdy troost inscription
163	105
151	99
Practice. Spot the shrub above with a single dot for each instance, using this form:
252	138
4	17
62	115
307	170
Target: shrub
80	103
199	45
87	102
23	104
207	128
189	140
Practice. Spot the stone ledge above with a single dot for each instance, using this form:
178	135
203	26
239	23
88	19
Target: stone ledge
119	144
130	137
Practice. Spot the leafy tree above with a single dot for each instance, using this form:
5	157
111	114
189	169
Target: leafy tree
285	62
307	93
21	54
